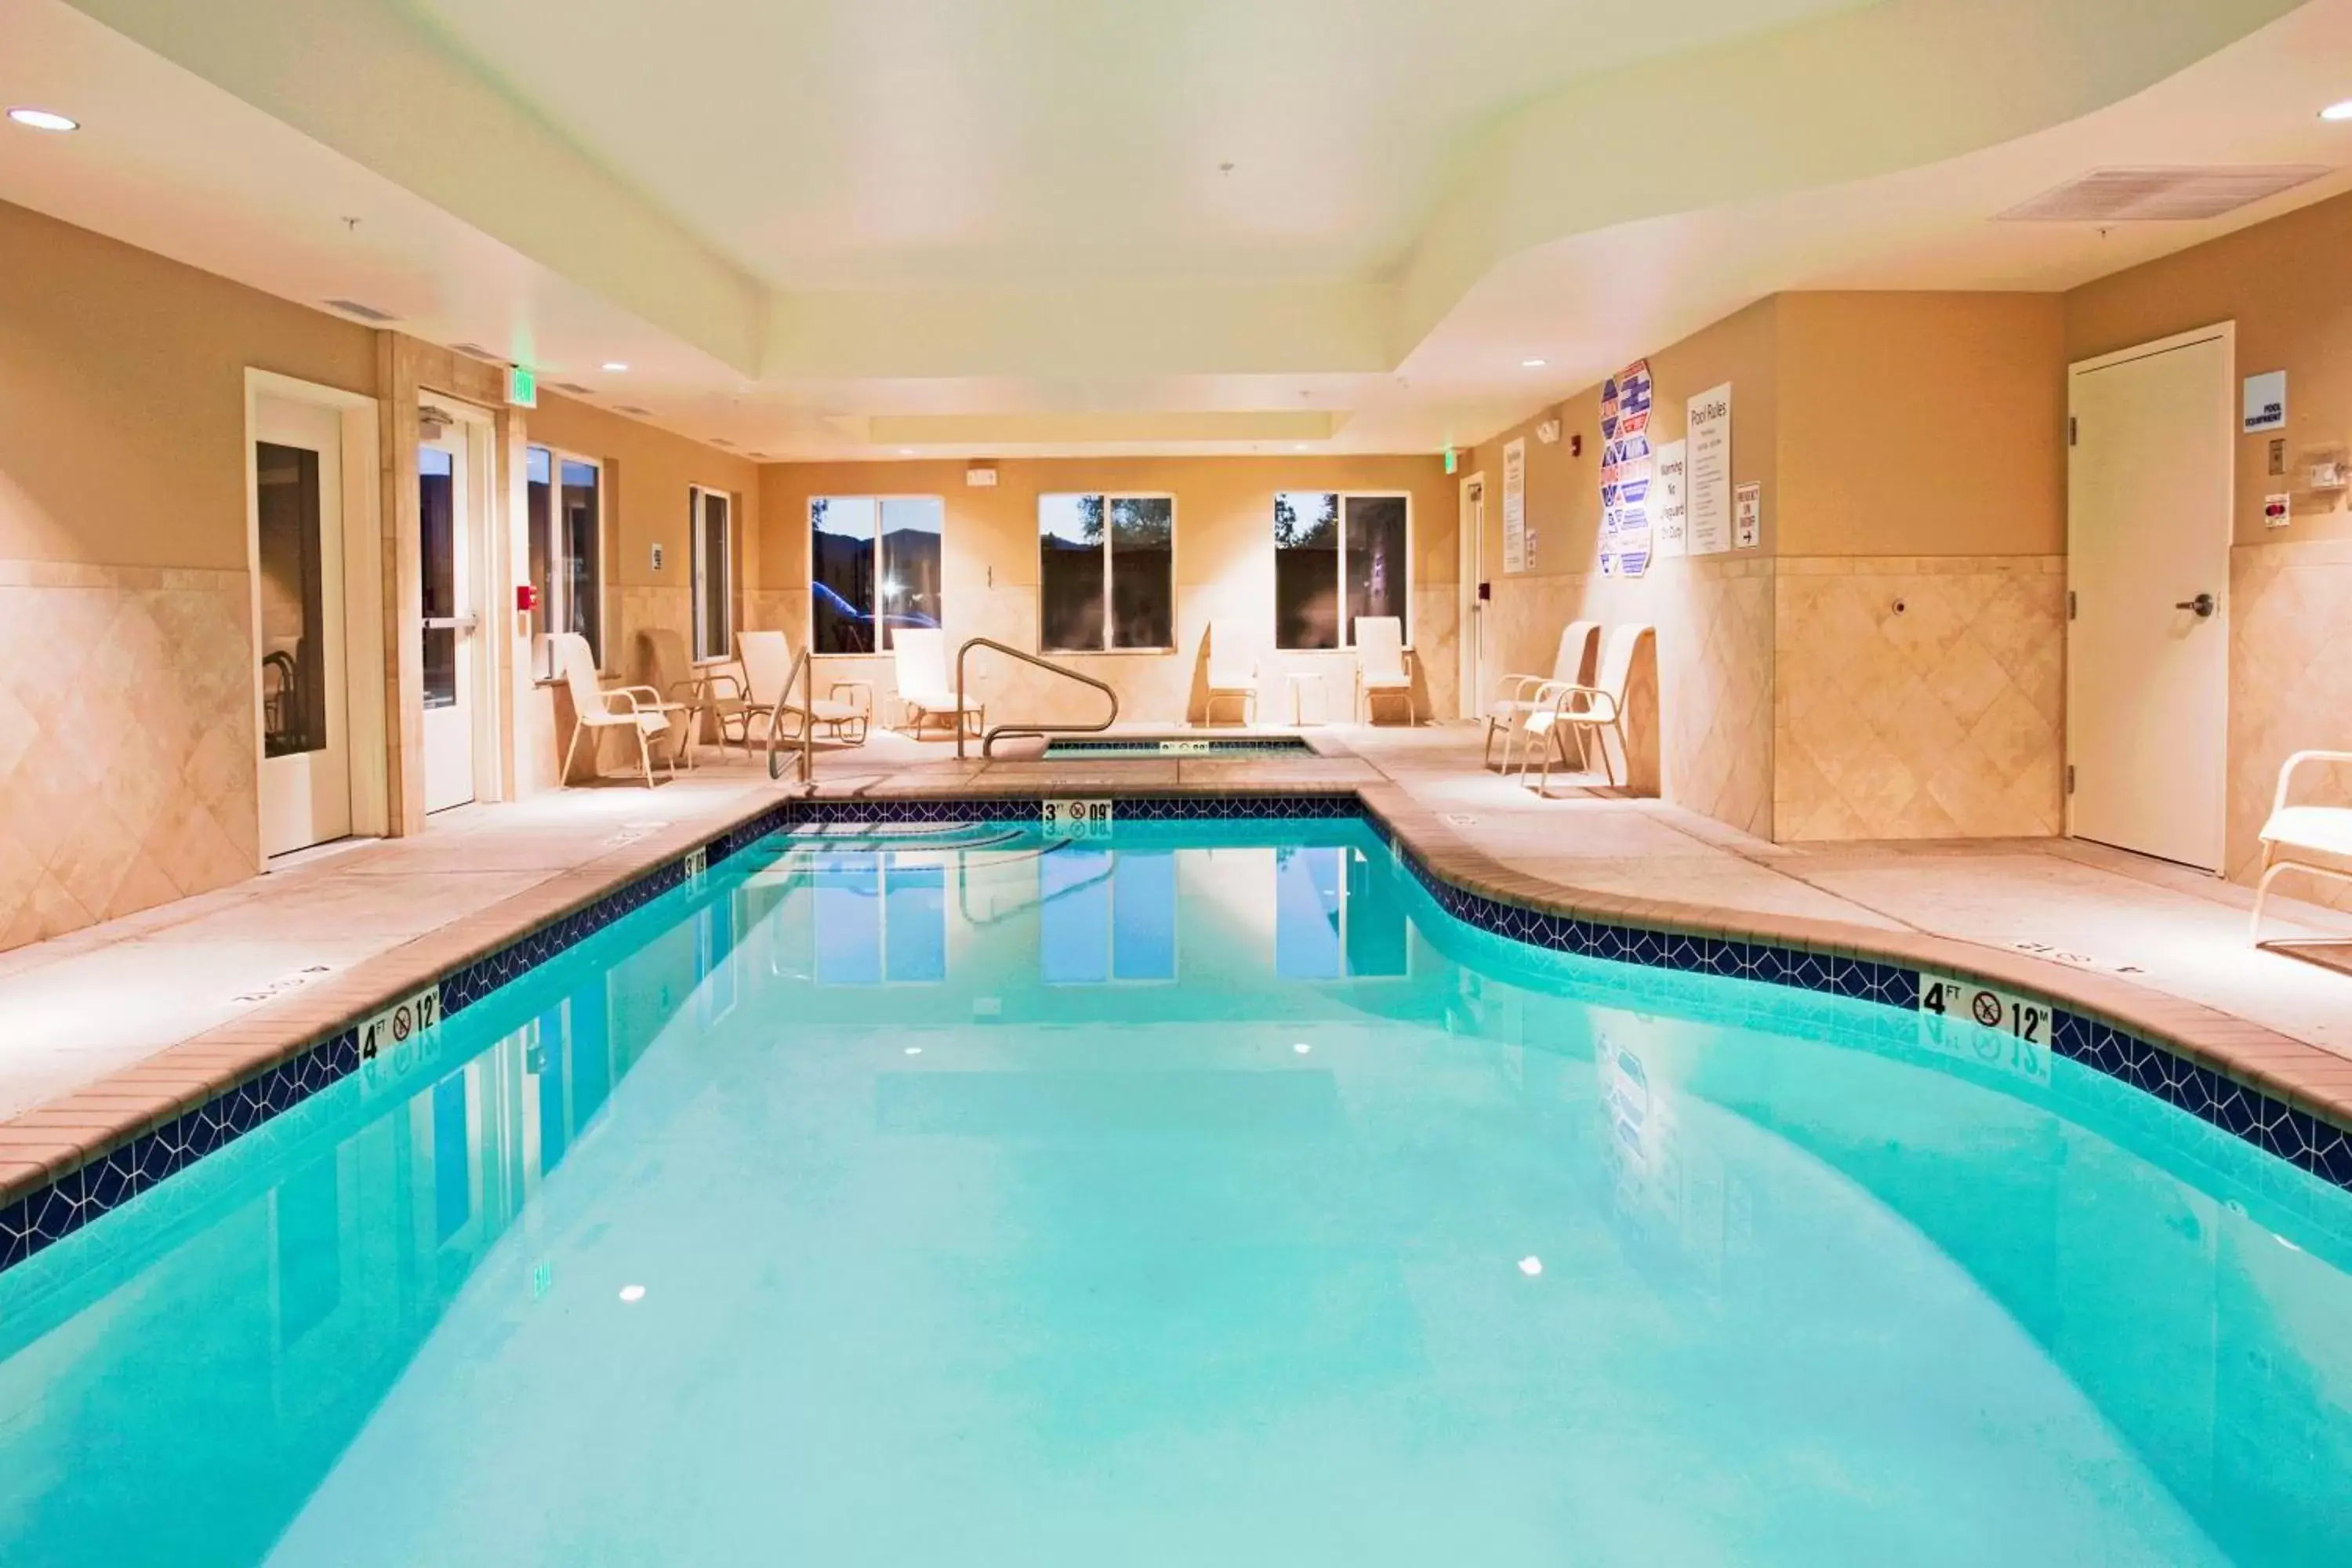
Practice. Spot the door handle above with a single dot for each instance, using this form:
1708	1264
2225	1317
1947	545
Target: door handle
462	625
2202	604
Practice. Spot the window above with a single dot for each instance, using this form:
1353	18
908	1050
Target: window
714	575
565	495
1105	915
873	564
1107	572
1335	554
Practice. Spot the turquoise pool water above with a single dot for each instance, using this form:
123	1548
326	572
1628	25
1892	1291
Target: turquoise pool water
1200	1195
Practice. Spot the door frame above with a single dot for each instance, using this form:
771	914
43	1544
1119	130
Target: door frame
484	554
2226	335
362	592
1469	617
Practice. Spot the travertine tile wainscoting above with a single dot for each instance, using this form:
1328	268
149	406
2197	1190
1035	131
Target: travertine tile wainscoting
126	741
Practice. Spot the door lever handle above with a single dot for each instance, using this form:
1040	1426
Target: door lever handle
2202	604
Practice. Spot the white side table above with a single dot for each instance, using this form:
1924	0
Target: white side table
1300	679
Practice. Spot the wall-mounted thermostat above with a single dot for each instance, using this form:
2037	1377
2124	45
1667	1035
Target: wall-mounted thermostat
657	557
979	476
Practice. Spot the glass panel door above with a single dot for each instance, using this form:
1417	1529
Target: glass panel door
298	560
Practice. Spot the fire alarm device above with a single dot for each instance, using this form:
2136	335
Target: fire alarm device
526	596
2277	510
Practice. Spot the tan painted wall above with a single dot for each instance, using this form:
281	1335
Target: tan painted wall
1909	451
122	397
1921	424
2288	286
1224	569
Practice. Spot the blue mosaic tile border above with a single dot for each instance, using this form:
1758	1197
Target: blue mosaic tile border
1140	746
2283	1131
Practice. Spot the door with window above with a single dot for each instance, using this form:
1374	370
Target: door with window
714	586
451	613
2148	485
298	488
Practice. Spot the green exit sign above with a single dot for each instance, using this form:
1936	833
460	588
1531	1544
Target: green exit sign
1452	461
522	387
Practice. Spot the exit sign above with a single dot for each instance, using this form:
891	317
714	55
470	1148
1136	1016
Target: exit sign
522	387
1452	460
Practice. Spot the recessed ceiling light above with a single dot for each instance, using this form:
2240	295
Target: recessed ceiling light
2337	111
906	451
1298	446
43	119
616	366
1531	365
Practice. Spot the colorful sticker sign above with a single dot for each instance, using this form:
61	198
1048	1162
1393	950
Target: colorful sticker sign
1625	402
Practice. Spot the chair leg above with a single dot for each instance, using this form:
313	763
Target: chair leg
565	778
2262	892
645	757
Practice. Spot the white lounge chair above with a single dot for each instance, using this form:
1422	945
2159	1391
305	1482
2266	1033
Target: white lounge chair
1524	696
2314	839
1233	674
919	657
1380	664
688	691
766	658
594	708
1582	709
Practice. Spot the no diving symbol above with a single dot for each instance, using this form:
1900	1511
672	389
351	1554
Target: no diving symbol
1987	1009
400	1023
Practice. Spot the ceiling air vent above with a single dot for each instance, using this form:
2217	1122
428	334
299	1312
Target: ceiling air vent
478	352
364	313
721	441
633	408
574	387
2160	195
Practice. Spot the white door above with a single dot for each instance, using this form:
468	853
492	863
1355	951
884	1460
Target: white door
2148	485
298	515
452	616
1473	620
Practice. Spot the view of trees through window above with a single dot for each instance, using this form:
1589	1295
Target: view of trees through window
873	564
1107	572
1337	557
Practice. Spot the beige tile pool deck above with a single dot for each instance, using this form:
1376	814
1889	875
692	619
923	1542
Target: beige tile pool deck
119	1028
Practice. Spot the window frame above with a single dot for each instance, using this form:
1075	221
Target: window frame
881	648
544	656
1108	589
699	568
1347	642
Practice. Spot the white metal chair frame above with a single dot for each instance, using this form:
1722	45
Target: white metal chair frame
1225	684
1582	709
919	702
592	709
848	723
1534	694
2288	842
1372	686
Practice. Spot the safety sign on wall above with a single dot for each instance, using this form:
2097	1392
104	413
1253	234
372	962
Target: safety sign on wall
1709	472
1515	506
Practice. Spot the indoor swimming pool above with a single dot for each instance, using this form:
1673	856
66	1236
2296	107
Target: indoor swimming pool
1197	1193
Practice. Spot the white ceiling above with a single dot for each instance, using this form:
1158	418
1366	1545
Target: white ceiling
825	229
863	143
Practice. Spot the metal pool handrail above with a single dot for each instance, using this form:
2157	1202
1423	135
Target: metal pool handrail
988	738
806	741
